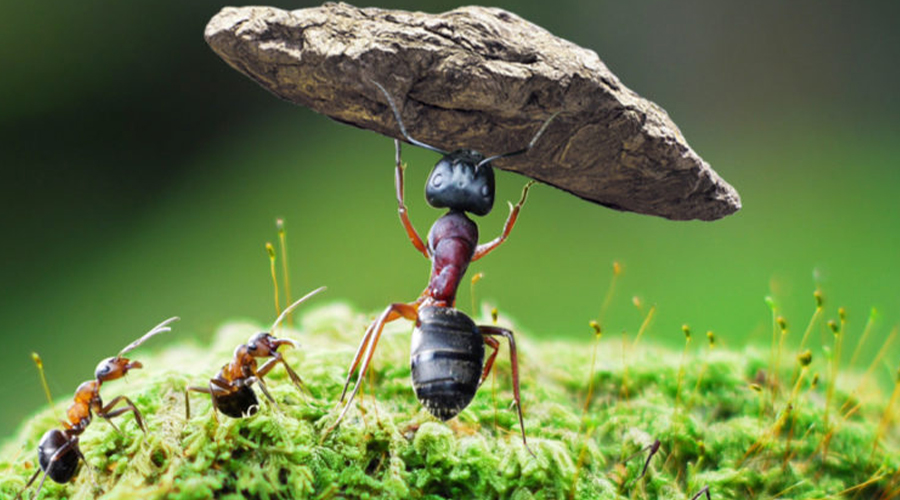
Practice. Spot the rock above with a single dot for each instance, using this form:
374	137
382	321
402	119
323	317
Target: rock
480	78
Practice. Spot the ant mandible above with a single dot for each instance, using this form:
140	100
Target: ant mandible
58	451
231	390
447	351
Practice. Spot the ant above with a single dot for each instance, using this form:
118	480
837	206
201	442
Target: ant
58	452
231	390
447	351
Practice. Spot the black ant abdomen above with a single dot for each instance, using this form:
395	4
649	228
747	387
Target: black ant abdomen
66	462
241	403
447	359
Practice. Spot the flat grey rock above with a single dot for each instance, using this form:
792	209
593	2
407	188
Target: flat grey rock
480	78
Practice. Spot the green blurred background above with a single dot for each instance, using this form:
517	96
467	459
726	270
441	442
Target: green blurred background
141	177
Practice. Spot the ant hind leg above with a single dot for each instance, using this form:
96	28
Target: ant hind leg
278	358
367	348
514	361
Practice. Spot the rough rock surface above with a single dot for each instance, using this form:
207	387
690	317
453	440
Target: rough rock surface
480	78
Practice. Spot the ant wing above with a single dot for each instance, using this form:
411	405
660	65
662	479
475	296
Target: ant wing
160	328
291	307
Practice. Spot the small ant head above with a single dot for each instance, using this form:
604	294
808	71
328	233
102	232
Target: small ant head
117	367
263	344
462	181
260	345
114	368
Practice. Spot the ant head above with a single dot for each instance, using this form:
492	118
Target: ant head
261	345
114	368
462	181
117	367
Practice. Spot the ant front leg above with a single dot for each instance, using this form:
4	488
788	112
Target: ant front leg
278	358
514	361
107	413
265	390
488	247
367	347
404	217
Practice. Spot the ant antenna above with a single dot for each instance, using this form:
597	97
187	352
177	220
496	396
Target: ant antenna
291	307
400	122
40	366
160	328
531	144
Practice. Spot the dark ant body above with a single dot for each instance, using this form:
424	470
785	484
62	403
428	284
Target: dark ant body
58	451
231	390
447	351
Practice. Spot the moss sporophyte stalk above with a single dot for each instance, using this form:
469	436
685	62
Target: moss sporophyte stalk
632	442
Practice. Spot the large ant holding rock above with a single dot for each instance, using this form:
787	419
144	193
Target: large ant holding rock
231	390
58	452
447	353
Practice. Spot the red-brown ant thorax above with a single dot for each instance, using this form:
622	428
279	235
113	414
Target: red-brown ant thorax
452	242
86	391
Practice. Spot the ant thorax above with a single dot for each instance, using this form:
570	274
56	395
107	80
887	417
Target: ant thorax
242	364
451	242
87	396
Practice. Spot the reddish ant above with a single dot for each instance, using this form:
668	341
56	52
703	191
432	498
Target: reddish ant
58	452
447	353
231	390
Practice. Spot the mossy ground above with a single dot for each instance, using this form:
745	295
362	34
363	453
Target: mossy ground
715	428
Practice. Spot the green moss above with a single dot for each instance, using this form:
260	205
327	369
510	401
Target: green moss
721	433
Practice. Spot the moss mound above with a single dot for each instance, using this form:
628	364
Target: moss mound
721	422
